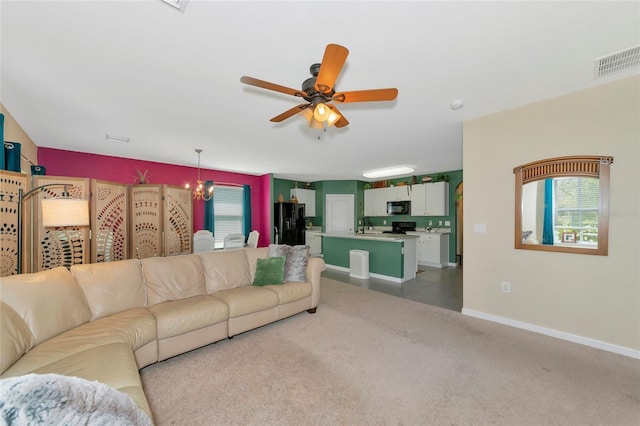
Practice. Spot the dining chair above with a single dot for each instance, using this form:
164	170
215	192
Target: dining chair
233	241
253	239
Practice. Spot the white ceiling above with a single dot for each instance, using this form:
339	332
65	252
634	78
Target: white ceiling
74	71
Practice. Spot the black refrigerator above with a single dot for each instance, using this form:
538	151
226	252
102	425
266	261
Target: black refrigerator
289	223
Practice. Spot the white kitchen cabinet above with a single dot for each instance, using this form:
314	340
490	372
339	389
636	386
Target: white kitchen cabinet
430	199
437	199
375	202
306	197
398	193
369	209
418	200
432	249
314	241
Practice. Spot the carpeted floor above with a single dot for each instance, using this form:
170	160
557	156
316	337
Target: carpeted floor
367	358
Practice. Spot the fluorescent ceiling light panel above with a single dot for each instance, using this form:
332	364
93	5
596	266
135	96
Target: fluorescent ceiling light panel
121	139
389	171
178	4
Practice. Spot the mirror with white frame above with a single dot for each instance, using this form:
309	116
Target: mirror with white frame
562	205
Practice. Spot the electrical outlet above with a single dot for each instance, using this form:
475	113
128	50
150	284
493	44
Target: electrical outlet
384	222
447	223
439	223
359	222
506	287
430	223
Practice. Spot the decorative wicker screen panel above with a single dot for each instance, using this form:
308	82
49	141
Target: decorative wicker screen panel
10	182
60	246
178	221
146	221
109	222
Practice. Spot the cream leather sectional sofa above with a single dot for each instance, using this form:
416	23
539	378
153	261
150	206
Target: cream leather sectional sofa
105	321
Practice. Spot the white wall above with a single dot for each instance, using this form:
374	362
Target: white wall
595	297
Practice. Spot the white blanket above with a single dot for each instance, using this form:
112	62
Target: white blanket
53	399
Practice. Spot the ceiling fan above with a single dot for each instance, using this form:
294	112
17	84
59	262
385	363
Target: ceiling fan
318	91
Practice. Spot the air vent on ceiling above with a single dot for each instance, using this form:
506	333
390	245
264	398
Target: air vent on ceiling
617	61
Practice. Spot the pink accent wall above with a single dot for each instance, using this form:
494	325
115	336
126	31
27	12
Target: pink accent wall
123	170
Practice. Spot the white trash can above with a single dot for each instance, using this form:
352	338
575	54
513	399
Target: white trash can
359	264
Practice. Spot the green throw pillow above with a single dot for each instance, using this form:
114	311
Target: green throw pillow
269	271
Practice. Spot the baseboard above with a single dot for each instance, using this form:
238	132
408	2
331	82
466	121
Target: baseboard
337	268
371	275
620	350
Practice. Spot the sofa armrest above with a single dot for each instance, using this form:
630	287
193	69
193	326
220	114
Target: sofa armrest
315	266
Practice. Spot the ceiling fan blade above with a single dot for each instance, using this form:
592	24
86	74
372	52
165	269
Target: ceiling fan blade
271	86
290	113
332	62
342	121
366	95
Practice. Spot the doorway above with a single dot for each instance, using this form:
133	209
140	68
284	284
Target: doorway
459	227
339	212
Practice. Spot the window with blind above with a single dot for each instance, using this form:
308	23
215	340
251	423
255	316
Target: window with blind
575	208
227	212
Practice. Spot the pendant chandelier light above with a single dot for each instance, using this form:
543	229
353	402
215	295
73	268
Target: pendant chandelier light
200	192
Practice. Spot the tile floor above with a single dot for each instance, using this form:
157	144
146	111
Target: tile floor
433	286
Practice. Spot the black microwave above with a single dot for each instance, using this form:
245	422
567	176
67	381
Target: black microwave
398	207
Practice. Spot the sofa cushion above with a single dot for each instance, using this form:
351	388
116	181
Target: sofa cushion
15	336
295	268
181	316
113	364
133	328
225	269
173	278
247	299
50	302
269	271
291	292
253	254
111	287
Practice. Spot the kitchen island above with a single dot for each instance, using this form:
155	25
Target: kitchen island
391	256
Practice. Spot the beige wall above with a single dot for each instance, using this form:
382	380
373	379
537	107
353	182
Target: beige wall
14	133
593	297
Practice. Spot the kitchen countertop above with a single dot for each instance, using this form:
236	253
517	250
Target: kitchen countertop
433	231
417	231
371	236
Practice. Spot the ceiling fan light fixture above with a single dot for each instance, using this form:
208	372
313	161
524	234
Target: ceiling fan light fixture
319	91
321	112
313	123
388	172
333	117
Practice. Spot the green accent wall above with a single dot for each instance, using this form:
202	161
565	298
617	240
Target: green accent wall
356	187
340	187
385	257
